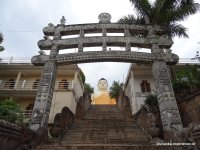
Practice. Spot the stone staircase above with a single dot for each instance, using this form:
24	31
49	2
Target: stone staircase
103	127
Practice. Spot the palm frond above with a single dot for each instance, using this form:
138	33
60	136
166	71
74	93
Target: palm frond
164	13
160	11
131	19
143	7
185	9
176	30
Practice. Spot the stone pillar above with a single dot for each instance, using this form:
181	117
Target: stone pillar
44	95
166	99
104	45
169	112
42	106
80	45
126	32
128	46
82	33
104	32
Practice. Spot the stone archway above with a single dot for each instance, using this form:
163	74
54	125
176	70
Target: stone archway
152	37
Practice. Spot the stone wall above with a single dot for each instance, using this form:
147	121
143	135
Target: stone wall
20	137
189	108
82	106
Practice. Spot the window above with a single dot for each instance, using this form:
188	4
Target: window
36	84
145	86
63	84
10	84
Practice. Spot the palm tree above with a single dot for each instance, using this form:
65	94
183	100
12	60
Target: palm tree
88	88
165	13
115	89
1	40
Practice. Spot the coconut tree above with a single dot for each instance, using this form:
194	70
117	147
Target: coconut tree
165	13
115	89
88	88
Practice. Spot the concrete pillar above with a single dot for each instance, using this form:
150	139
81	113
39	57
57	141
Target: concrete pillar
76	76
42	106
104	45
82	33
169	112
128	46
80	47
44	96
126	32
166	99
17	79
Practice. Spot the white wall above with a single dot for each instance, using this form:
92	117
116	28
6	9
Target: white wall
78	86
60	100
133	89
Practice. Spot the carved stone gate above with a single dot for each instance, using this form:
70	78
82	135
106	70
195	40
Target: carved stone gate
147	36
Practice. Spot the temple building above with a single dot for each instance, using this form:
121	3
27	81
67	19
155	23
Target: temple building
102	95
19	80
140	83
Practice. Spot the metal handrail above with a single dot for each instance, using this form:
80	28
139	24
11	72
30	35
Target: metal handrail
15	60
33	85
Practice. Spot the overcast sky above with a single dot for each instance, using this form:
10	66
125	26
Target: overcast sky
22	21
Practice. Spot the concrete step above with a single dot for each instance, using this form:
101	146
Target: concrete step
104	127
108	147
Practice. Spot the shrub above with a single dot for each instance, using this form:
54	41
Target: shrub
151	103
10	111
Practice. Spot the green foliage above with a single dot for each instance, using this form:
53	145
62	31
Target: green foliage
1	37
1	40
151	103
165	13
88	88
10	111
186	77
178	85
131	19
1	48
115	89
82	76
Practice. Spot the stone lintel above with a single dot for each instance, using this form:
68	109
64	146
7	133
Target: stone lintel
94	27
110	41
101	56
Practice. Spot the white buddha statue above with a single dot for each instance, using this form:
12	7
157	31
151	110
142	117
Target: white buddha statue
102	95
102	85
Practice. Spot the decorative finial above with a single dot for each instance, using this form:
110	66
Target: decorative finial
104	17
62	20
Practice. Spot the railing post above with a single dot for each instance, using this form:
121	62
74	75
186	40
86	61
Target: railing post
23	84
72	84
10	60
17	80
